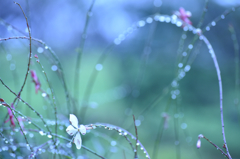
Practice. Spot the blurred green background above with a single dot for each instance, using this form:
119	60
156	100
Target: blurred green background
133	74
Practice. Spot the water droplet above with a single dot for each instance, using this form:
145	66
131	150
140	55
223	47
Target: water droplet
46	47
161	18
177	92
190	46
207	28
141	23
41	133
121	37
120	133
9	57
125	133
179	23
117	41
29	122
173	96
223	16
44	94
93	105
213	23
113	149
137	122
156	17
180	65
174	17
167	19
61	127
185	28
137	144
31	135
12	66
183	125
113	143
14	148
187	68
54	68
49	136
99	67
157	3
40	50
174	83
184	54
149	20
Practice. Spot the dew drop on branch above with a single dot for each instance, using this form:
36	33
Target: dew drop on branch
99	67
40	50
54	68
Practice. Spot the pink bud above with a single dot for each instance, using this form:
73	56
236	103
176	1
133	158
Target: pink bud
35	80
184	15
36	56
198	143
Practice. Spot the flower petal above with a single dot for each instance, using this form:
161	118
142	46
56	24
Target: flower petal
83	129
78	141
73	120
71	130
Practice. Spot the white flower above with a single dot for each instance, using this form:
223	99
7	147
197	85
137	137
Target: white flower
75	130
198	143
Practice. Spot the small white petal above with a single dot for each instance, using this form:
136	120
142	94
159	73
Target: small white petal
71	130
73	120
78	141
198	143
83	129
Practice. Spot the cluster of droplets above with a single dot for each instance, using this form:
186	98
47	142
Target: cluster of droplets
121	132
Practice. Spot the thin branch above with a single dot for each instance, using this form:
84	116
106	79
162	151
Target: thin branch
30	54
135	156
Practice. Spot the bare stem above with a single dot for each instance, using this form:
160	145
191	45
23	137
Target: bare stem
135	156
30	55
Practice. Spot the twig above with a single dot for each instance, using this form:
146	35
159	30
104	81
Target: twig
30	55
218	148
135	156
53	99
